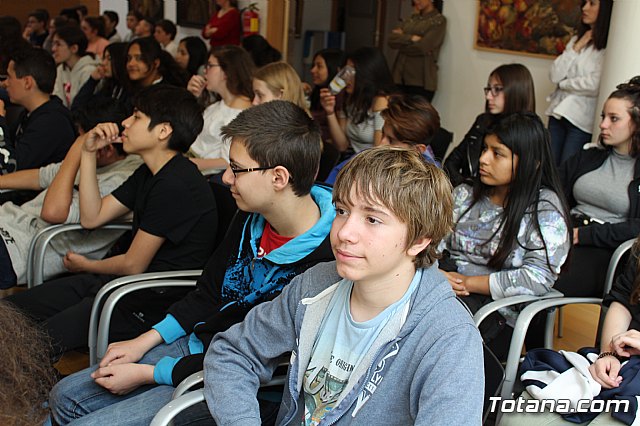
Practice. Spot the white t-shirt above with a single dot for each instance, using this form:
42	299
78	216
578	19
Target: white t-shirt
209	143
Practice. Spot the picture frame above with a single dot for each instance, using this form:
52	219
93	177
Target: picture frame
153	9
535	28
194	13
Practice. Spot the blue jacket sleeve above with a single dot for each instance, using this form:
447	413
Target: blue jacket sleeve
247	354
169	329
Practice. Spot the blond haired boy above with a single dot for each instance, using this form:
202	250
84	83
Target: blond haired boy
376	337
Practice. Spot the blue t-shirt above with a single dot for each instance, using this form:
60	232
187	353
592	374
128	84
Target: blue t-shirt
340	346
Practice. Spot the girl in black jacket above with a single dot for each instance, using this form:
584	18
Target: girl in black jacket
509	89
602	187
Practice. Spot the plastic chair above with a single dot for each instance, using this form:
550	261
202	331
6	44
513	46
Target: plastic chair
42	240
109	295
527	314
182	398
113	291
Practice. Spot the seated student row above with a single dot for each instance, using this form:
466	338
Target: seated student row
121	348
262	127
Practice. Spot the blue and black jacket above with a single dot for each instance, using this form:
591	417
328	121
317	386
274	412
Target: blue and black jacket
235	280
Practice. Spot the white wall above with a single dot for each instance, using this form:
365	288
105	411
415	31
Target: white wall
464	71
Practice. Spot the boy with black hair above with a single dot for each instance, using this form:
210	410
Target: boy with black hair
133	17
58	202
36	29
165	33
376	337
281	230
111	20
43	133
145	27
174	220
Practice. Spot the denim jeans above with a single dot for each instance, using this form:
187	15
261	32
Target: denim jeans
566	139
78	399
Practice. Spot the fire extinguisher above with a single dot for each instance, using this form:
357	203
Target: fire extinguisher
250	20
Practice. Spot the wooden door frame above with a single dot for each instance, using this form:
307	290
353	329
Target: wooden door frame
278	25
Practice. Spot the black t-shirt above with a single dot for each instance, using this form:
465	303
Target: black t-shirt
36	139
177	204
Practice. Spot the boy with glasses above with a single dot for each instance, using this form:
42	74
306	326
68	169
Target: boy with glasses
376	337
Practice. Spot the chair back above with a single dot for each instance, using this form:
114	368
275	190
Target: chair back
440	143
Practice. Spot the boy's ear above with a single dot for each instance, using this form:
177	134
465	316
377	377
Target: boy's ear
418	245
156	64
281	177
73	48
164	131
29	82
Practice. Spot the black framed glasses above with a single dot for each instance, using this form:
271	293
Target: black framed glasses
494	90
249	170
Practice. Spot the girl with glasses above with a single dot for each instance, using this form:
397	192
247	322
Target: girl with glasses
509	89
228	74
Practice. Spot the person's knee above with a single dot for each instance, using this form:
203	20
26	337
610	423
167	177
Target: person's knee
60	404
65	396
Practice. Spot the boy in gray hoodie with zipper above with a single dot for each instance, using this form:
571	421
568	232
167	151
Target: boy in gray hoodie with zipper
376	337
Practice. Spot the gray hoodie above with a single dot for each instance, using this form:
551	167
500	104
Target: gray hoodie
430	373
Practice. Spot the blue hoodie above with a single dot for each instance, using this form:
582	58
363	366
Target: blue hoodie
236	279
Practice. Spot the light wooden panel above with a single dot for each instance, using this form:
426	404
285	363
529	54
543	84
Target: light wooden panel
21	9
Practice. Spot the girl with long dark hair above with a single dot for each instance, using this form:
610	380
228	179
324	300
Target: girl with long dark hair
192	55
511	233
148	64
509	89
108	80
326	64
359	125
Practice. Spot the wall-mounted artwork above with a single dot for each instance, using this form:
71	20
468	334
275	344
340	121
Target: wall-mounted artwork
530	27
153	9
194	13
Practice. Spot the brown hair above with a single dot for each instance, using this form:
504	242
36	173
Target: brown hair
630	92
280	133
26	373
412	119
519	92
237	66
417	192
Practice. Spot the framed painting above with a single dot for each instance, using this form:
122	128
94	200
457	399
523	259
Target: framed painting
528	27
153	9
194	13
